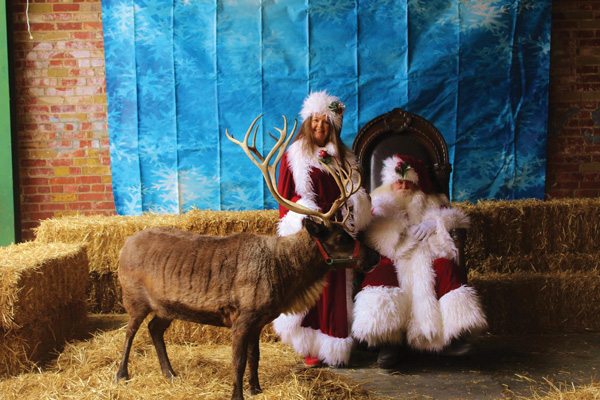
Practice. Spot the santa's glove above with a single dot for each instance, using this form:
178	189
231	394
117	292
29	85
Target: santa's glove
423	230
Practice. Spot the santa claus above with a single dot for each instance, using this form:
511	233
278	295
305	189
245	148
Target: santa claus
417	295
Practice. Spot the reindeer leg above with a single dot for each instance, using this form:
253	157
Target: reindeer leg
157	327
253	357
132	328
241	333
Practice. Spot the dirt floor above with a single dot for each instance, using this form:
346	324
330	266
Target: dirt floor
499	367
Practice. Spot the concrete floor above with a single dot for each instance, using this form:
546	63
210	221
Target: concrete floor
499	367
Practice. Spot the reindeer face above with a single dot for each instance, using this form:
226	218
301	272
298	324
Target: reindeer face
341	247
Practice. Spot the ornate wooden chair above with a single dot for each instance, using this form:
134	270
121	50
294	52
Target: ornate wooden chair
401	132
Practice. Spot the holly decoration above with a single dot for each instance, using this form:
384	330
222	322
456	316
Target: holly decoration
402	168
324	157
337	107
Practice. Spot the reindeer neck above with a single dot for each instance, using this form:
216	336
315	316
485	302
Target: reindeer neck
301	270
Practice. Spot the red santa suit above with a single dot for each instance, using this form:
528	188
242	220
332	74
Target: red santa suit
323	331
418	291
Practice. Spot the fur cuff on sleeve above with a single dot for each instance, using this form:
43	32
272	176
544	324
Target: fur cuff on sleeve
448	218
361	204
292	222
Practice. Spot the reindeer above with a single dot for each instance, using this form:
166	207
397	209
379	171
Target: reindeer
242	281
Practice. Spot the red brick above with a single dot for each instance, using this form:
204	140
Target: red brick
66	7
32	163
89	179
31	207
25	181
90	197
106	205
92	26
61	162
62	109
40	198
30	189
69	26
57	17
589	185
79	206
41	215
53	207
586	193
84	35
62	180
40	171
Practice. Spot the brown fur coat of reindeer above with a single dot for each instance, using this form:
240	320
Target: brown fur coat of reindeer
241	281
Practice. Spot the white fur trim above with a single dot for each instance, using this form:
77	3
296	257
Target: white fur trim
388	235
292	222
307	341
333	351
425	328
361	203
462	312
380	315
288	327
389	174
318	103
301	162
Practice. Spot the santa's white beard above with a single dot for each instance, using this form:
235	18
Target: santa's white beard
403	197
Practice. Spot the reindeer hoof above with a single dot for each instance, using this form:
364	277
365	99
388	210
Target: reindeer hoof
171	376
255	391
121	376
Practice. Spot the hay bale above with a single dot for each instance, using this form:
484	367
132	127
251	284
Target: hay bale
531	227
543	263
42	301
182	332
523	302
105	235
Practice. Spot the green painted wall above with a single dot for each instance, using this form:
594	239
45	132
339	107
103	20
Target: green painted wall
7	206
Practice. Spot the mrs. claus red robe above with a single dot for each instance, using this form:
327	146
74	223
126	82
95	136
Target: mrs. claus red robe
323	331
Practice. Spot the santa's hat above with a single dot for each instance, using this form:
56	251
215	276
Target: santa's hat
408	168
325	104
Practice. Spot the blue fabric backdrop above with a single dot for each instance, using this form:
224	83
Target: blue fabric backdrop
180	72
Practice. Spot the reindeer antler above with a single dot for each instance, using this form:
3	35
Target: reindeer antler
342	174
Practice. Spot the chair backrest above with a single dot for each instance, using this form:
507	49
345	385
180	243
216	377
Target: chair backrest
401	132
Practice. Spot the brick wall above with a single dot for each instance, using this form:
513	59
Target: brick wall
62	124
64	161
573	168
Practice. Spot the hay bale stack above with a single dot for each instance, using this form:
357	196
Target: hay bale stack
530	302
524	245
530	228
42	301
104	236
535	263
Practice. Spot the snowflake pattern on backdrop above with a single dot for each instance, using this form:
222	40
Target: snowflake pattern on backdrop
179	73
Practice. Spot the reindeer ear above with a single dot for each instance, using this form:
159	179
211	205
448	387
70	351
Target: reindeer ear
314	228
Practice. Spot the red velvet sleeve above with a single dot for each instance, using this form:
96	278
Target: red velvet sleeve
286	186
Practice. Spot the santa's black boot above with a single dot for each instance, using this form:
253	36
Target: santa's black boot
389	356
